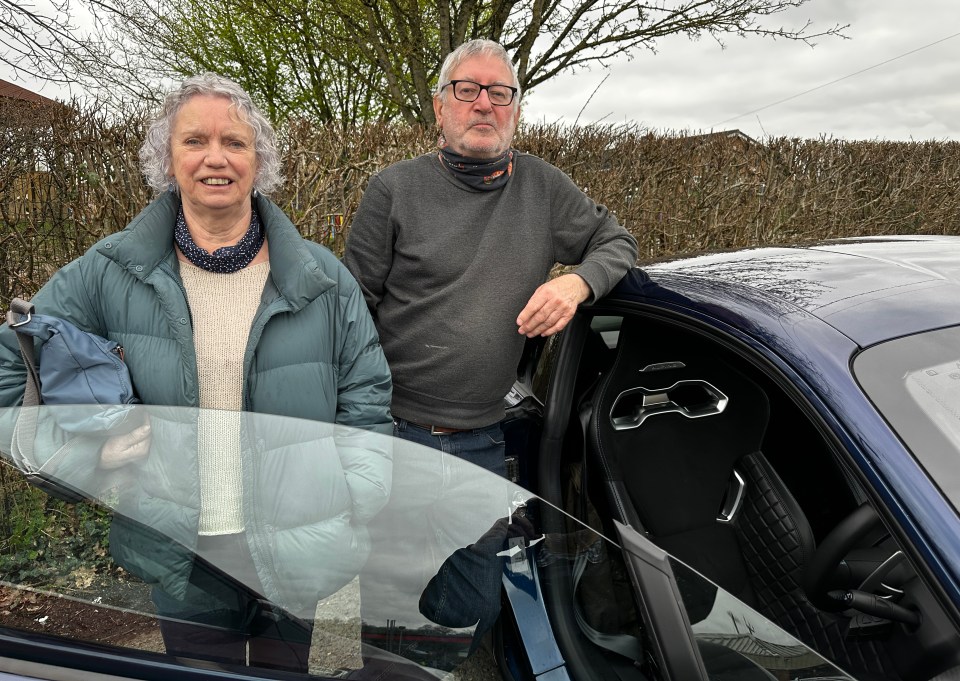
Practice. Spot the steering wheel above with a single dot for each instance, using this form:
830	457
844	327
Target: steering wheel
835	547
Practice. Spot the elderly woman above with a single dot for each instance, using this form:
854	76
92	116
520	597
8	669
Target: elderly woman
221	304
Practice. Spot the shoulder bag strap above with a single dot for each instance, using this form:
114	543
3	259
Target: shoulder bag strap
25	430
24	433
21	312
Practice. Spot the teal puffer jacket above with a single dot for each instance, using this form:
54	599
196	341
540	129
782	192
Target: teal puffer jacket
312	353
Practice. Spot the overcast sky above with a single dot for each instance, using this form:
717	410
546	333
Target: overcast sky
898	78
699	87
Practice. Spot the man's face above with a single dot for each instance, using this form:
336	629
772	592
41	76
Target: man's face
478	129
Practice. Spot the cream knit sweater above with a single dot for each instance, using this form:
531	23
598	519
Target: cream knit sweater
222	307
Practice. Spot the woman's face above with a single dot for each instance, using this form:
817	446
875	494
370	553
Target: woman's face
213	157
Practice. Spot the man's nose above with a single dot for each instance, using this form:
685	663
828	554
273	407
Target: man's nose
483	100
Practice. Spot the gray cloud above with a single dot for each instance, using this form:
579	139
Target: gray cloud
697	86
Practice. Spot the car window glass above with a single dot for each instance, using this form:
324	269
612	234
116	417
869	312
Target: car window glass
726	630
541	376
344	531
915	383
411	583
608	327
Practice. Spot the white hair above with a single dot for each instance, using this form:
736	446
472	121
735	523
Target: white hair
156	156
476	48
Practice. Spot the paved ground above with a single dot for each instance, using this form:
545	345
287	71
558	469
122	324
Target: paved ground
336	642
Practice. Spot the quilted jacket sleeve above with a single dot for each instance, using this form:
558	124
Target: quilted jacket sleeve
363	402
63	296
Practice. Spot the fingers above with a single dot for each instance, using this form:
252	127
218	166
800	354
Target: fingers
552	306
121	450
542	313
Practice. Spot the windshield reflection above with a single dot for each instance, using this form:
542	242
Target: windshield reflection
441	524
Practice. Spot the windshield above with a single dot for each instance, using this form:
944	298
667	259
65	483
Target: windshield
915	383
381	554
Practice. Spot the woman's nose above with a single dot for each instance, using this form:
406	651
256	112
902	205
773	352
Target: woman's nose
215	154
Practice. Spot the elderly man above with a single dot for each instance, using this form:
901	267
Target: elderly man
453	250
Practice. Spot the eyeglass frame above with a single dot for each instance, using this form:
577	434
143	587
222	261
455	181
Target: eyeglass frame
481	88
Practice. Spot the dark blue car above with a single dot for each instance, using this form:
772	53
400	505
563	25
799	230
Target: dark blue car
785	422
736	466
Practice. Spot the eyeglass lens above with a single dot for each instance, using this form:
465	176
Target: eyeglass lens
468	91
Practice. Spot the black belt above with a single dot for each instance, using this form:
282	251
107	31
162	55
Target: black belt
439	430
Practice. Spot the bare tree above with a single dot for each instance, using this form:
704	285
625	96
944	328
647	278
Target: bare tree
364	60
78	43
408	39
49	42
40	43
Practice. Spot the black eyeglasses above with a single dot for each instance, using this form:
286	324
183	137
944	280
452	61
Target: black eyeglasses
468	91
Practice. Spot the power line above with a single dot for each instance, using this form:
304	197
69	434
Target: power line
833	82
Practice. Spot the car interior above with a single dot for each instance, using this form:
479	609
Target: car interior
696	444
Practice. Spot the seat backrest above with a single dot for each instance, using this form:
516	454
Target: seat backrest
668	425
675	433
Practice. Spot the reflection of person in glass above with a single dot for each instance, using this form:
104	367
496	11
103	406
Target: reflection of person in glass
221	304
465	592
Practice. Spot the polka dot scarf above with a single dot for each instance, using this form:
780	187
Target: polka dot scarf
223	260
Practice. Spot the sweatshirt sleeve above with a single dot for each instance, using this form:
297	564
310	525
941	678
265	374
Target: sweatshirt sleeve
369	249
586	234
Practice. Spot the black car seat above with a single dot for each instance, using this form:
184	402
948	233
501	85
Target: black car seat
675	437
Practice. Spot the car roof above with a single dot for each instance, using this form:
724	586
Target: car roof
870	289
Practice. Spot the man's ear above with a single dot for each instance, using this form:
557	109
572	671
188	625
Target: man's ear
438	110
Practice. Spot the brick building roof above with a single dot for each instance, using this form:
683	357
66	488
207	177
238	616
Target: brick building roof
13	91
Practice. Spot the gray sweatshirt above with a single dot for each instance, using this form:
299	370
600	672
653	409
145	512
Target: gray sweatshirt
446	269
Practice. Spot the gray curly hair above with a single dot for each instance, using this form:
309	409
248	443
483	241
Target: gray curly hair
155	154
480	47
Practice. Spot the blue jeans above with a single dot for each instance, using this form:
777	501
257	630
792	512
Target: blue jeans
466	589
483	447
